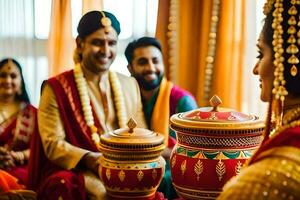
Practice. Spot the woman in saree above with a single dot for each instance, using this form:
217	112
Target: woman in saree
274	170
17	122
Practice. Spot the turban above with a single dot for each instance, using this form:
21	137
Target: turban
91	22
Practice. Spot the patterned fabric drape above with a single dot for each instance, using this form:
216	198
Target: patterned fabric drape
209	45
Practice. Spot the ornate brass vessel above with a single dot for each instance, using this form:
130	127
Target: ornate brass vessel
131	166
212	145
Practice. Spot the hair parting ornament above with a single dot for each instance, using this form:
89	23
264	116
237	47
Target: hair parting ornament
10	61
106	22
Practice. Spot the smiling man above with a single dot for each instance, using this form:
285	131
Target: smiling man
76	107
161	99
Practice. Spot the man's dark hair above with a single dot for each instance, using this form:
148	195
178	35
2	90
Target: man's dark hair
91	22
141	42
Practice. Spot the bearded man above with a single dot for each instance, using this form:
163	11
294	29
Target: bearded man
160	97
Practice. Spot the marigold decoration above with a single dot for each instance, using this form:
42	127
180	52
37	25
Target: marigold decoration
86	102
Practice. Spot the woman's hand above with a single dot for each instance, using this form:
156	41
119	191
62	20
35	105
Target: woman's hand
6	159
19	157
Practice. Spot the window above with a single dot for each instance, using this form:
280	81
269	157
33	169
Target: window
17	40
251	97
24	29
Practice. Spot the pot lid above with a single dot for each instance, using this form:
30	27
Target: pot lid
132	138
215	117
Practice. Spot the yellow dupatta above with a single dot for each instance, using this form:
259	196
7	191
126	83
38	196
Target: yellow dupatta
161	111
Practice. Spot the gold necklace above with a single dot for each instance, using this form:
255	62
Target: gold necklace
290	120
81	85
291	115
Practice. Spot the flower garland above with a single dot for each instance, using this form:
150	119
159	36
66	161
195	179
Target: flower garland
118	98
87	108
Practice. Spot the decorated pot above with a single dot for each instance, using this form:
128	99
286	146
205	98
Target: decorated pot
131	166
213	143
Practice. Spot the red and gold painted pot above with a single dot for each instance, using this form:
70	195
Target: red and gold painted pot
213	143
131	166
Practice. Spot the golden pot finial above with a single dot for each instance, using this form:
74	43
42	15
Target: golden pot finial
215	101
131	125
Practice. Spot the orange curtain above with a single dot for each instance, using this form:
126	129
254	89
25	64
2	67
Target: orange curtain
162	30
89	5
197	39
193	31
61	44
227	82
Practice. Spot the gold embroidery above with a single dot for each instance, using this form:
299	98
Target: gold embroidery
67	88
24	125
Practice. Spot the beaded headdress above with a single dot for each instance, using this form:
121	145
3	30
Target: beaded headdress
290	50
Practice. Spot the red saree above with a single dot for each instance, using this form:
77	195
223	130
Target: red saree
289	137
15	135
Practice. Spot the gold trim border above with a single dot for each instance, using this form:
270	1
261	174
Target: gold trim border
187	193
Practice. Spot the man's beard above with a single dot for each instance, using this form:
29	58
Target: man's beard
148	85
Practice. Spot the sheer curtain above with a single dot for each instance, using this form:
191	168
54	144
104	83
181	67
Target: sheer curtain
251	96
88	5
25	27
136	21
17	40
61	43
